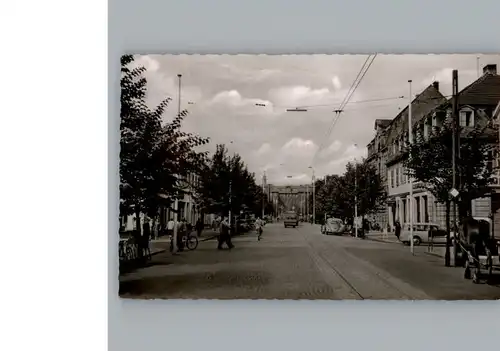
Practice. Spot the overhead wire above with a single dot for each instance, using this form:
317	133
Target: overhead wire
349	95
335	117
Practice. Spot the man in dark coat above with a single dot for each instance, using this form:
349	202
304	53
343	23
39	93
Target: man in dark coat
397	231
225	234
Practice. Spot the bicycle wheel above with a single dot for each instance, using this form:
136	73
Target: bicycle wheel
130	253
191	242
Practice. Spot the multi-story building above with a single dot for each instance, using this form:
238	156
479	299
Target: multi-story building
377	157
477	104
398	194
187	205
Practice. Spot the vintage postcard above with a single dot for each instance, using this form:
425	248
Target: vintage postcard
310	177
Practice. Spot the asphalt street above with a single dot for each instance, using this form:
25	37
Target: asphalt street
301	263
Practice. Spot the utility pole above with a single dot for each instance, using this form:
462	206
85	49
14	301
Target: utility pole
263	193
410	142
230	200
307	201
176	202
314	196
455	156
477	65
355	198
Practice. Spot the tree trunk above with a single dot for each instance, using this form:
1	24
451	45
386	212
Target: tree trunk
138	235
464	208
447	253
138	220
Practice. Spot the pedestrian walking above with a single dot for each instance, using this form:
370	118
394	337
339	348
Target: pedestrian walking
225	235
397	231
146	235
170	227
199	227
258	227
181	232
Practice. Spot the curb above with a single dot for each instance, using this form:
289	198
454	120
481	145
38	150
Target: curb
382	241
208	238
433	254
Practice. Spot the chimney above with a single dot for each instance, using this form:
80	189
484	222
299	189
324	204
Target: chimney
436	85
490	69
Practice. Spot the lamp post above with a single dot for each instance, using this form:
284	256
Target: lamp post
230	191
314	195
263	193
410	141
355	195
176	202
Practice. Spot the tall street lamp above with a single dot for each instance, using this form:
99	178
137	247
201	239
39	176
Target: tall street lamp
410	141
176	202
314	194
230	190
355	195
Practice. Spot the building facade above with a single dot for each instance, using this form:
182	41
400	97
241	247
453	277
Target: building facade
377	157
290	198
187	206
477	104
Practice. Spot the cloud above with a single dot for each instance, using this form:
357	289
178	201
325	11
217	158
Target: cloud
264	149
336	83
233	99
299	147
333	148
225	89
149	63
351	153
299	95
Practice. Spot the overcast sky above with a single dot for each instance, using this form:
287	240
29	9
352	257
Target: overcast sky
224	90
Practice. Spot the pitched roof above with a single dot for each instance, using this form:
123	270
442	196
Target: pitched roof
424	103
382	123
496	112
484	91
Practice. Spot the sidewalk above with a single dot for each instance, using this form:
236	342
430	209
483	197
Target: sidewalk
389	238
162	243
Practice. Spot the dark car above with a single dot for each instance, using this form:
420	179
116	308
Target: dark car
290	219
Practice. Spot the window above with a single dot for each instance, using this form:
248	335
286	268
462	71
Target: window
403	176
397	176
392	178
417	207
489	161
466	118
426	208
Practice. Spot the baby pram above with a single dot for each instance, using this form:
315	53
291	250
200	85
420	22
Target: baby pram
479	248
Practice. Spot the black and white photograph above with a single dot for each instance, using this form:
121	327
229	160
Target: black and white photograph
332	177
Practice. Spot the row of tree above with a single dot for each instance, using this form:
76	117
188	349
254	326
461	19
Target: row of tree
428	160
228	185
336	194
156	157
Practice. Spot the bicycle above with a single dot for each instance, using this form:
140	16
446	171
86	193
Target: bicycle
190	241
128	250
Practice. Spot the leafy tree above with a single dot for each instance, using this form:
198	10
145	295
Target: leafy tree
362	180
153	155
222	171
331	199
335	195
431	163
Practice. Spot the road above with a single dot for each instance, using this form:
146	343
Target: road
301	263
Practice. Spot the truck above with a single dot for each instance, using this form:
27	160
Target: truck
290	219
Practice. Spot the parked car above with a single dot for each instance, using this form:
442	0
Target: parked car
423	233
333	226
